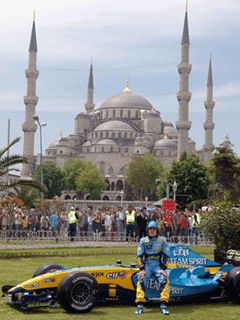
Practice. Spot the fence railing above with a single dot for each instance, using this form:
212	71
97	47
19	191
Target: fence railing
64	236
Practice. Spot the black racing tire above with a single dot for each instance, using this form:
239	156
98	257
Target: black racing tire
232	285
47	268
77	292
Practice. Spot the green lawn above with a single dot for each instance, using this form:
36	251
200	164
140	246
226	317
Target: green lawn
16	269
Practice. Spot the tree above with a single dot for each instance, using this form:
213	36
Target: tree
83	177
192	179
225	169
72	168
53	179
141	176
90	182
223	225
6	164
10	203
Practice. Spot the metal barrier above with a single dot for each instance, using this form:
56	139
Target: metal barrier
63	236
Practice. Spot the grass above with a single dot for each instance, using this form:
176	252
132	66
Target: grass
18	268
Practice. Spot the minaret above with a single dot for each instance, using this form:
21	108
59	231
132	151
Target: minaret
89	105
209	124
183	95
29	127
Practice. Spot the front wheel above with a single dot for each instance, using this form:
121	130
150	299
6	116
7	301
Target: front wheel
77	292
232	285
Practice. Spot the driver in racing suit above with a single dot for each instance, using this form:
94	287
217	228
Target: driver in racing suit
152	254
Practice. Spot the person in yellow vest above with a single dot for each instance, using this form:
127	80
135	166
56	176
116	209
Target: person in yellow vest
130	222
72	221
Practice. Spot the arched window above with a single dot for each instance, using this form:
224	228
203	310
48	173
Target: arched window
107	185
105	198
67	197
112	186
119	185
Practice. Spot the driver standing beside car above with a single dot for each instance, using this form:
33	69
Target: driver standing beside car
152	254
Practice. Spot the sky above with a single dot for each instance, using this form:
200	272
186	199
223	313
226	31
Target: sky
141	39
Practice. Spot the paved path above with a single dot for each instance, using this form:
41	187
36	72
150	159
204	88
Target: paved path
76	244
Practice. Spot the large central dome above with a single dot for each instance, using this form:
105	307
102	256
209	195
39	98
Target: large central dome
127	100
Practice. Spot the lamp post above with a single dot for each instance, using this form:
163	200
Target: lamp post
174	187
122	194
43	124
146	202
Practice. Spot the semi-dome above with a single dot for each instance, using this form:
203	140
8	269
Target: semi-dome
170	131
87	144
127	100
114	125
165	143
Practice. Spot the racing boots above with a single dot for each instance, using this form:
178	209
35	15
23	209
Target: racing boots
164	309
139	309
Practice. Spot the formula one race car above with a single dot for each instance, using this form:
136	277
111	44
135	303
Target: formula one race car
191	277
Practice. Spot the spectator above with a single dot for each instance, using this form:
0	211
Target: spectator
142	223
53	220
120	218
130	222
168	223
183	226
44	224
72	221
108	221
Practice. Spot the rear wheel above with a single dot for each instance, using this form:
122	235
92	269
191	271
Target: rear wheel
77	292
47	268
232	285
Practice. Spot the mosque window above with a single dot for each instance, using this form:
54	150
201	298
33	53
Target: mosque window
101	134
107	185
61	151
113	134
125	134
119	185
126	150
121	113
136	113
129	113
107	134
119	134
112	185
107	114
114	113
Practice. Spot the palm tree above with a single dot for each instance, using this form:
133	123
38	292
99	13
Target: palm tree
7	162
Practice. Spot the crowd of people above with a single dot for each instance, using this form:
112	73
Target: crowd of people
126	224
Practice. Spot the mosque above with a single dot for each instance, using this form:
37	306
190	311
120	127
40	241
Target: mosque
123	126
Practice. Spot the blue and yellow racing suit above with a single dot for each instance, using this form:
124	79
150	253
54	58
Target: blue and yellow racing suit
152	254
